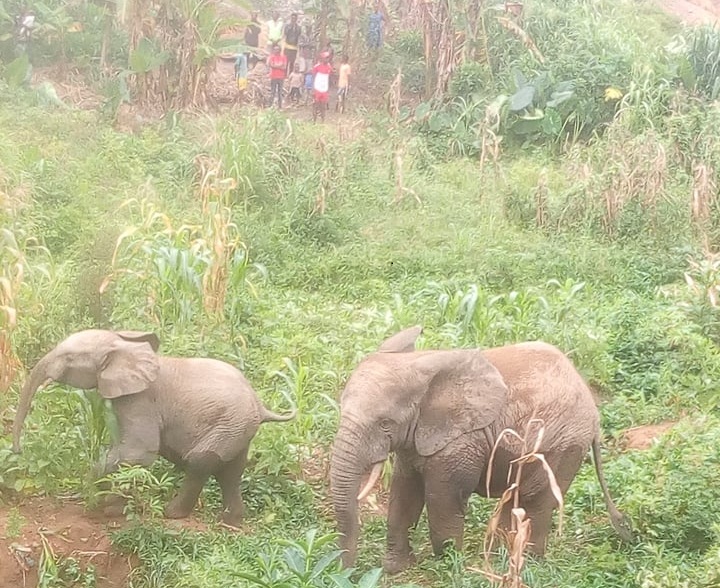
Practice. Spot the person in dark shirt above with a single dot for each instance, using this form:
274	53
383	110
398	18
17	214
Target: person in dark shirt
291	39
252	39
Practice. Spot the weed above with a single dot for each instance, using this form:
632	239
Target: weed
14	524
143	493
306	563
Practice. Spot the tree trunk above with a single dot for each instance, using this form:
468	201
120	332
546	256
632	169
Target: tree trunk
108	19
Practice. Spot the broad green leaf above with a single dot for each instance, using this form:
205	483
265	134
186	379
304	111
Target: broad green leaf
518	78
552	123
325	562
146	57
370	578
295	560
522	98
557	98
435	122
18	71
341	581
422	110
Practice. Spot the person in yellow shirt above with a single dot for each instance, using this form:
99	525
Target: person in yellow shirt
343	84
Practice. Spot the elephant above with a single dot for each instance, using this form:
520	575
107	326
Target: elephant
442	413
200	414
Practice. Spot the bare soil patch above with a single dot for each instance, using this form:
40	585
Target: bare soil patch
69	530
693	12
644	436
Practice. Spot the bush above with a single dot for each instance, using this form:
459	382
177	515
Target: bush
673	489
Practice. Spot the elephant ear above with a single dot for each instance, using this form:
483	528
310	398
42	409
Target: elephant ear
140	337
401	342
128	368
464	393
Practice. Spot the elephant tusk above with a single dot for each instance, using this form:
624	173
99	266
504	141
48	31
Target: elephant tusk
374	475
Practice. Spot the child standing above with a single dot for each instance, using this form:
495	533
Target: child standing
343	84
308	84
278	64
295	81
241	74
321	85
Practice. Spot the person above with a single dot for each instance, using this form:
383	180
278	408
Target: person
291	40
343	82
375	28
241	74
277	63
295	82
321	85
252	37
305	43
308	84
275	30
302	64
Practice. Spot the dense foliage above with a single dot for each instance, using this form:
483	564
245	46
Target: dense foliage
289	250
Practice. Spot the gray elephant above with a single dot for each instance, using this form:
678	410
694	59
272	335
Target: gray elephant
442	412
198	413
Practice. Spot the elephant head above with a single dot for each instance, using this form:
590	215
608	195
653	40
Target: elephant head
115	362
402	399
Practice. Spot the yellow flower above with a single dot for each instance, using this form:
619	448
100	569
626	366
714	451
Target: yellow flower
612	94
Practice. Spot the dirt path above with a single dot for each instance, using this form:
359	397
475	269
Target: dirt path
693	12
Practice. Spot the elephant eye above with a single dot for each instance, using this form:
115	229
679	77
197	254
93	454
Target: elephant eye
386	424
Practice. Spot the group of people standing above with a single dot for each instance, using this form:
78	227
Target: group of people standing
292	58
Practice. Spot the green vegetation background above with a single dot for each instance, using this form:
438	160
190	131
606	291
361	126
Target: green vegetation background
591	245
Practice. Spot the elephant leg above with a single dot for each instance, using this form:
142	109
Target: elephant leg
197	471
405	505
539	507
124	453
446	494
228	477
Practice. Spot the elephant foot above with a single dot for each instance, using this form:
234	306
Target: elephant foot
232	518
394	564
113	506
177	509
113	511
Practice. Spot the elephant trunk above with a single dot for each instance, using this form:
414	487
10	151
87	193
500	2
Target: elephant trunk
350	461
37	377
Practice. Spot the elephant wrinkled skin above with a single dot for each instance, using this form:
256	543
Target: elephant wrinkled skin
442	412
198	413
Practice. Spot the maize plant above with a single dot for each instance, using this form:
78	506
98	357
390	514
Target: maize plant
15	271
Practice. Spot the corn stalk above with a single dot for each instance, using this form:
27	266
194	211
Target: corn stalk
172	47
15	269
453	32
517	537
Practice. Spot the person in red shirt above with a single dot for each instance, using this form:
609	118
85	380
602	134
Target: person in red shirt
277	63
321	85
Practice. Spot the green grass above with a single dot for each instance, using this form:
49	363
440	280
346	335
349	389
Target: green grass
333	288
317	292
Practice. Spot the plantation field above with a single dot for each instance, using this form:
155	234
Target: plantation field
292	250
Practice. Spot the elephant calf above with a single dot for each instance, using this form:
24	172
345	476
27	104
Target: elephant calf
442	412
200	414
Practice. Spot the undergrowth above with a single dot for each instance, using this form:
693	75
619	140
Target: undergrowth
279	246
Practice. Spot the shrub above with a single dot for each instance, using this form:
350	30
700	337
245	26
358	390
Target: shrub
673	489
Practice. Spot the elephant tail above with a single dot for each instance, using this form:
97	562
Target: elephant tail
268	416
620	522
